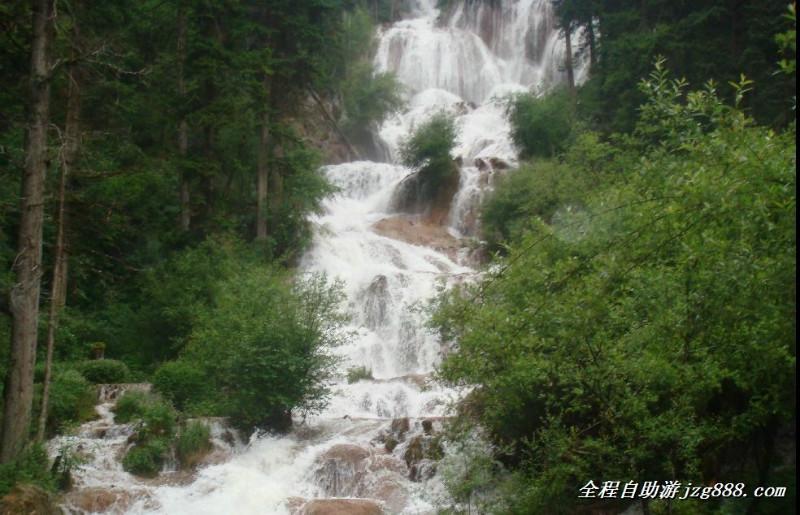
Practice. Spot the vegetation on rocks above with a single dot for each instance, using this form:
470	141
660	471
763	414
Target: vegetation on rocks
106	371
428	150
192	443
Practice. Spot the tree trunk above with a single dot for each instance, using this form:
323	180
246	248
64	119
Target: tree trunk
262	186
592	44
276	180
58	288
568	59
24	295
183	126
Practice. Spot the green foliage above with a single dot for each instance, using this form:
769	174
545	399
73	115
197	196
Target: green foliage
541	189
369	97
787	41
146	459
701	41
104	371
357	374
193	442
32	466
264	346
181	381
428	149
130	406
542	126
72	399
159	420
649	333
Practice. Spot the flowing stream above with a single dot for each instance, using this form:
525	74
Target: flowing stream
376	441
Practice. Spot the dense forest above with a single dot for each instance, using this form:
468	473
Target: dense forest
635	320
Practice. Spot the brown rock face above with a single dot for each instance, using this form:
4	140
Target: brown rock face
417	231
29	500
341	469
341	507
98	500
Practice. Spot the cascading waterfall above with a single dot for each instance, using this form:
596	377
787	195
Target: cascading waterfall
370	443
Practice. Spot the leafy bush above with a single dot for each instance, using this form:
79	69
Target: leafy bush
103	371
72	399
193	442
32	466
157	416
659	342
147	458
264	346
180	381
536	189
542	126
356	374
130	406
369	97
158	419
428	149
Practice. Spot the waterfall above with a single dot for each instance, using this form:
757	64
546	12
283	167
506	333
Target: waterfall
374	442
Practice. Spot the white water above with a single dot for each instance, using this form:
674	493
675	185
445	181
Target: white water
460	62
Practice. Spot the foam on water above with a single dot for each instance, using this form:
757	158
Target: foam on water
462	62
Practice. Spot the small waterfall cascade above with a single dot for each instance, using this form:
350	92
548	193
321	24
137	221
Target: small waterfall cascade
375	447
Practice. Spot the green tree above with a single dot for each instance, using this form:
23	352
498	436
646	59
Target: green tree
649	332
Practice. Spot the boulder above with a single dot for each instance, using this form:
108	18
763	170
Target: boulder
341	468
341	507
98	500
400	427
417	231
30	500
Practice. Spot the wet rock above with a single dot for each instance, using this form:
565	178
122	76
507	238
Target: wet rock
390	492
499	164
418	196
414	451
98	500
112	392
427	426
390	443
29	499
341	507
376	302
100	432
295	504
400	427
418	231
420	455
423	470
341	468
387	463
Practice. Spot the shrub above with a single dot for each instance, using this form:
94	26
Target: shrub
428	150
356	374
32	466
541	126
181	382
72	399
147	458
193	442
159	419
369	97
537	189
102	371
130	406
265	346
